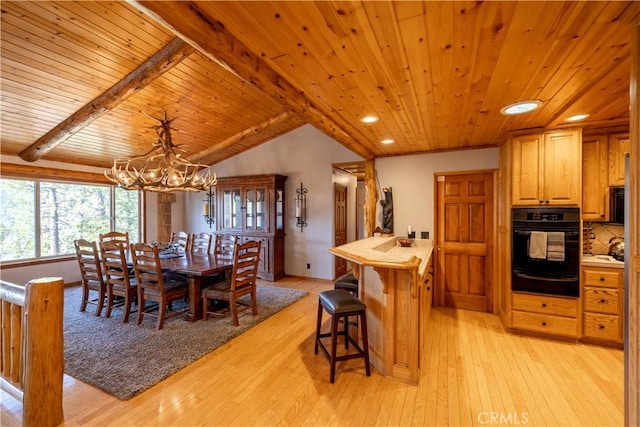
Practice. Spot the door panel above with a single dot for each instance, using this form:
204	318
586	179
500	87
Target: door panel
464	238
340	226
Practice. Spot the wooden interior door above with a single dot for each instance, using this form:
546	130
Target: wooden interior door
340	225
464	239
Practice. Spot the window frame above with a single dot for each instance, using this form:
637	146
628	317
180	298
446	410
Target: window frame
87	179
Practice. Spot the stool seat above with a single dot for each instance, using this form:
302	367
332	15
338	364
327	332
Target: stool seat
347	282
341	304
338	301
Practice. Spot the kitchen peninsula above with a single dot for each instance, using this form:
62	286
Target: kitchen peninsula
396	285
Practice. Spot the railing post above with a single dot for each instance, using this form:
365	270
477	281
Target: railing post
43	344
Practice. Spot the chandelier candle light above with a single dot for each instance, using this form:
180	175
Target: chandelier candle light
162	169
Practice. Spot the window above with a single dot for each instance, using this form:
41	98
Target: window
17	219
42	218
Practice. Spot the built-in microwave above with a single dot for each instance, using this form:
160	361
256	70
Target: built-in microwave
616	205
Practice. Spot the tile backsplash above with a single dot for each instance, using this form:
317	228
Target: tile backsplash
596	237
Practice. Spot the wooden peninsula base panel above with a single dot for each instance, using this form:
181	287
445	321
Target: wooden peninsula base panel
396	285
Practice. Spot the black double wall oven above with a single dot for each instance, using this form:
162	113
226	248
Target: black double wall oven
545	255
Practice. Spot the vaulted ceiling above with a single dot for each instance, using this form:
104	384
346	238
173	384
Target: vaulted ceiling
80	80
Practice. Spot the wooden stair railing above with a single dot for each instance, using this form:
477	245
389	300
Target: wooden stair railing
31	344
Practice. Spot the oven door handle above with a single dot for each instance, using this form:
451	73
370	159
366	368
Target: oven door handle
528	233
548	279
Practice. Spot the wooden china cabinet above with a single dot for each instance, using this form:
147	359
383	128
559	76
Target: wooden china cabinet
252	208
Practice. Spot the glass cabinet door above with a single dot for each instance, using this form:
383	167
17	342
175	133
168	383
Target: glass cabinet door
279	209
231	209
255	204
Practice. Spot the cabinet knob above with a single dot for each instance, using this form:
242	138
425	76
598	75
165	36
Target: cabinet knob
601	326
546	201
603	301
544	305
428	288
602	279
544	323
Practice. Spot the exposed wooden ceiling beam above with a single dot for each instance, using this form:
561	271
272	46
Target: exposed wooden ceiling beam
213	40
29	171
240	136
161	62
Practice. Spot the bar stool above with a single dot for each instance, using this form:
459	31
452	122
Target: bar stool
340	303
347	282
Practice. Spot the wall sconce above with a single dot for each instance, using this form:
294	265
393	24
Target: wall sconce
209	208
301	207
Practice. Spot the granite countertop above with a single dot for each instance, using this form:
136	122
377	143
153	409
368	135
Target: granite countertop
386	252
602	261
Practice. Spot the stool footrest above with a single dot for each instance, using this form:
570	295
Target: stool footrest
359	351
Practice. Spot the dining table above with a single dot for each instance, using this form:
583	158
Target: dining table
197	267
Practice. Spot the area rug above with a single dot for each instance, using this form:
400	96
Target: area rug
127	359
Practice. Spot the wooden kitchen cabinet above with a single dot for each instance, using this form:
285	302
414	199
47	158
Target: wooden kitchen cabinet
252	208
619	144
602	299
547	169
549	315
595	178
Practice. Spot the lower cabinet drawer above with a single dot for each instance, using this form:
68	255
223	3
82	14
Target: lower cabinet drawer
604	277
603	326
545	304
555	325
601	300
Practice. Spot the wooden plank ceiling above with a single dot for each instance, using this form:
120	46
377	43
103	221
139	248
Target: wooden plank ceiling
435	73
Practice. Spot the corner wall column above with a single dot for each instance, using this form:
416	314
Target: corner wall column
371	197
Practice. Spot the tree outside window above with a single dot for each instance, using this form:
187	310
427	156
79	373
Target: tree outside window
65	212
17	219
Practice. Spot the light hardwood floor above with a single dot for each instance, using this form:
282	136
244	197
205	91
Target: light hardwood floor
473	374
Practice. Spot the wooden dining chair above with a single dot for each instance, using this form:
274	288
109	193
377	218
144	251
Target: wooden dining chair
153	286
181	238
246	257
200	243
115	236
92	279
224	245
118	280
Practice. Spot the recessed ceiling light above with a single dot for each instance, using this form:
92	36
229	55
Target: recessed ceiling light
520	107
577	117
387	141
369	119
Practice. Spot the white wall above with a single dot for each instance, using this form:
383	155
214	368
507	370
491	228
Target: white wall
412	181
303	155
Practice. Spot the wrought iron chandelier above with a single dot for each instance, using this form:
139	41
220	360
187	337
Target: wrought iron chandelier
162	169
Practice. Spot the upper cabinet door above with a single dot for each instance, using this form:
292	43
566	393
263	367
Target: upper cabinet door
619	144
562	168
231	209
279	193
547	169
595	177
256	208
527	170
